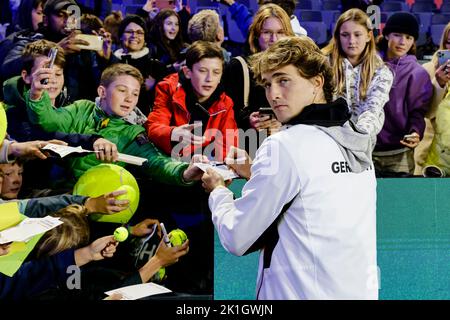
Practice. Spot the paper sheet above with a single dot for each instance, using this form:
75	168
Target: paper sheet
28	228
139	291
63	151
18	251
223	170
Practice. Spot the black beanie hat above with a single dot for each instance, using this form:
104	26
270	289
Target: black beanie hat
402	22
129	19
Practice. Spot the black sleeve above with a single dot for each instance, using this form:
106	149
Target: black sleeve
233	80
86	141
142	13
157	70
21	130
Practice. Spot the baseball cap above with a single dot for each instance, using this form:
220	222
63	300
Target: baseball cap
54	6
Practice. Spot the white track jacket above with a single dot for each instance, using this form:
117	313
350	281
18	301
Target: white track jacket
327	238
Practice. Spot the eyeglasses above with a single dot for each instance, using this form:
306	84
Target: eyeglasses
267	34
138	33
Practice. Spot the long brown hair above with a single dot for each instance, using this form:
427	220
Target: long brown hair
173	47
267	11
369	60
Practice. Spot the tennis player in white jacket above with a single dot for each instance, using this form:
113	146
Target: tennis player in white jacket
309	203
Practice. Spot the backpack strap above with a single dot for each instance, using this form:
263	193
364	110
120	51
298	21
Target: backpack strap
246	79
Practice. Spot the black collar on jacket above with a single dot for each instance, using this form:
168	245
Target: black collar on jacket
198	111
323	114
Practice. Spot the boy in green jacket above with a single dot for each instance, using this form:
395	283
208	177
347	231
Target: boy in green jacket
111	116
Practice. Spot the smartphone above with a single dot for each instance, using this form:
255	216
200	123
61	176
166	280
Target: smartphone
52	56
407	137
95	42
267	112
164	4
443	56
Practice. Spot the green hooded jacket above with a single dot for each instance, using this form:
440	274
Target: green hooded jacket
83	116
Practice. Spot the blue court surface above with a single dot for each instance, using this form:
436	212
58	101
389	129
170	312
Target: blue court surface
413	230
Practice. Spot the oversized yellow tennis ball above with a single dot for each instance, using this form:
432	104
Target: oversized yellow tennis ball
130	195
106	178
3	122
121	234
178	237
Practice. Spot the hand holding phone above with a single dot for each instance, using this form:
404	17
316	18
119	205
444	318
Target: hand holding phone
408	137
410	140
52	56
266	112
94	43
443	56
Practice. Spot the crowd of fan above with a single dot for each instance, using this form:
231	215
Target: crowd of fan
162	87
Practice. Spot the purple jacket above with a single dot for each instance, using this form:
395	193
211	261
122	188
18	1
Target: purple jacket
409	100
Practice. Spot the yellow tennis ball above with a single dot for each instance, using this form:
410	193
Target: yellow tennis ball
159	276
130	195
105	178
121	234
3	122
161	273
178	237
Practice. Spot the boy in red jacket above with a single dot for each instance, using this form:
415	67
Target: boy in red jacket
191	113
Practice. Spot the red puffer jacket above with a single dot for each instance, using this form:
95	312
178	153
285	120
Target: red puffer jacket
170	111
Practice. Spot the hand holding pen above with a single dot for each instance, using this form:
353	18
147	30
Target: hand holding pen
239	160
165	235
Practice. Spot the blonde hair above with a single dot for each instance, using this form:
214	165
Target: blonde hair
204	25
301	52
72	234
267	11
369	59
119	69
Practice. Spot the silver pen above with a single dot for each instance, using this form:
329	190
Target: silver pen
165	235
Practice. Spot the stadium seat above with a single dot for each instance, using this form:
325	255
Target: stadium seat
440	18
308	15
423	7
316	31
328	17
445	8
206	4
394	6
232	31
132	9
436	31
304	5
331	5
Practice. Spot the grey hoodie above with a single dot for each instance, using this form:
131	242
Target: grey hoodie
355	146
334	119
